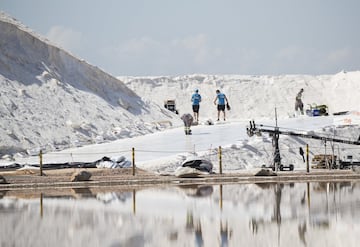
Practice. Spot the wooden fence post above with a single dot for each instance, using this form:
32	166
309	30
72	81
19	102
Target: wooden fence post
133	161
41	162
307	159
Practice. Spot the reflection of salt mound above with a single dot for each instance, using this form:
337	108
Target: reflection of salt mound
113	196
197	190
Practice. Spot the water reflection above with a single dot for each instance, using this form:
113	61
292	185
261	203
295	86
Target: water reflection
300	214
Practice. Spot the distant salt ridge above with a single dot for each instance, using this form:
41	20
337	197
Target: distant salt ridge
252	96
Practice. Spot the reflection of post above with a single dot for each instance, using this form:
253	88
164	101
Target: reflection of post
308	196
199	241
134	202
189	220
224	235
220	160
302	232
41	205
327	198
221	197
277	210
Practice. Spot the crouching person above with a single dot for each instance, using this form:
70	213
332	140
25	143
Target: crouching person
188	120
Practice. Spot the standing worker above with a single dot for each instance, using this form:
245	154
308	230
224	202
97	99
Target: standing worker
188	120
221	100
196	99
298	102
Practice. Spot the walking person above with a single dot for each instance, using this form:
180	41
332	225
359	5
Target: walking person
221	100
196	99
298	102
188	120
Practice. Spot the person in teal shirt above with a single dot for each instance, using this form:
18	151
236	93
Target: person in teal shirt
196	99
221	101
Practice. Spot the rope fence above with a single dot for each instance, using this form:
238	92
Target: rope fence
222	158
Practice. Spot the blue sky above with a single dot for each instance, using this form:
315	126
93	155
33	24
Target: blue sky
177	37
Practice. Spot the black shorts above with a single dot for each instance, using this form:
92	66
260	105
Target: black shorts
196	108
221	107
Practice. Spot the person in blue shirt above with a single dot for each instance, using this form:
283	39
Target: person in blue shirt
196	99
221	101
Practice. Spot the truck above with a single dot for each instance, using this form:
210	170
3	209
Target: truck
170	105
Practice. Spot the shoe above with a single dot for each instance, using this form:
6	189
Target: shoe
218	120
224	119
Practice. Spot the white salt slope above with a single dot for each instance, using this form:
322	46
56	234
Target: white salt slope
53	100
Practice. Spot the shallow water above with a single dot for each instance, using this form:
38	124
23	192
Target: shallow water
300	214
